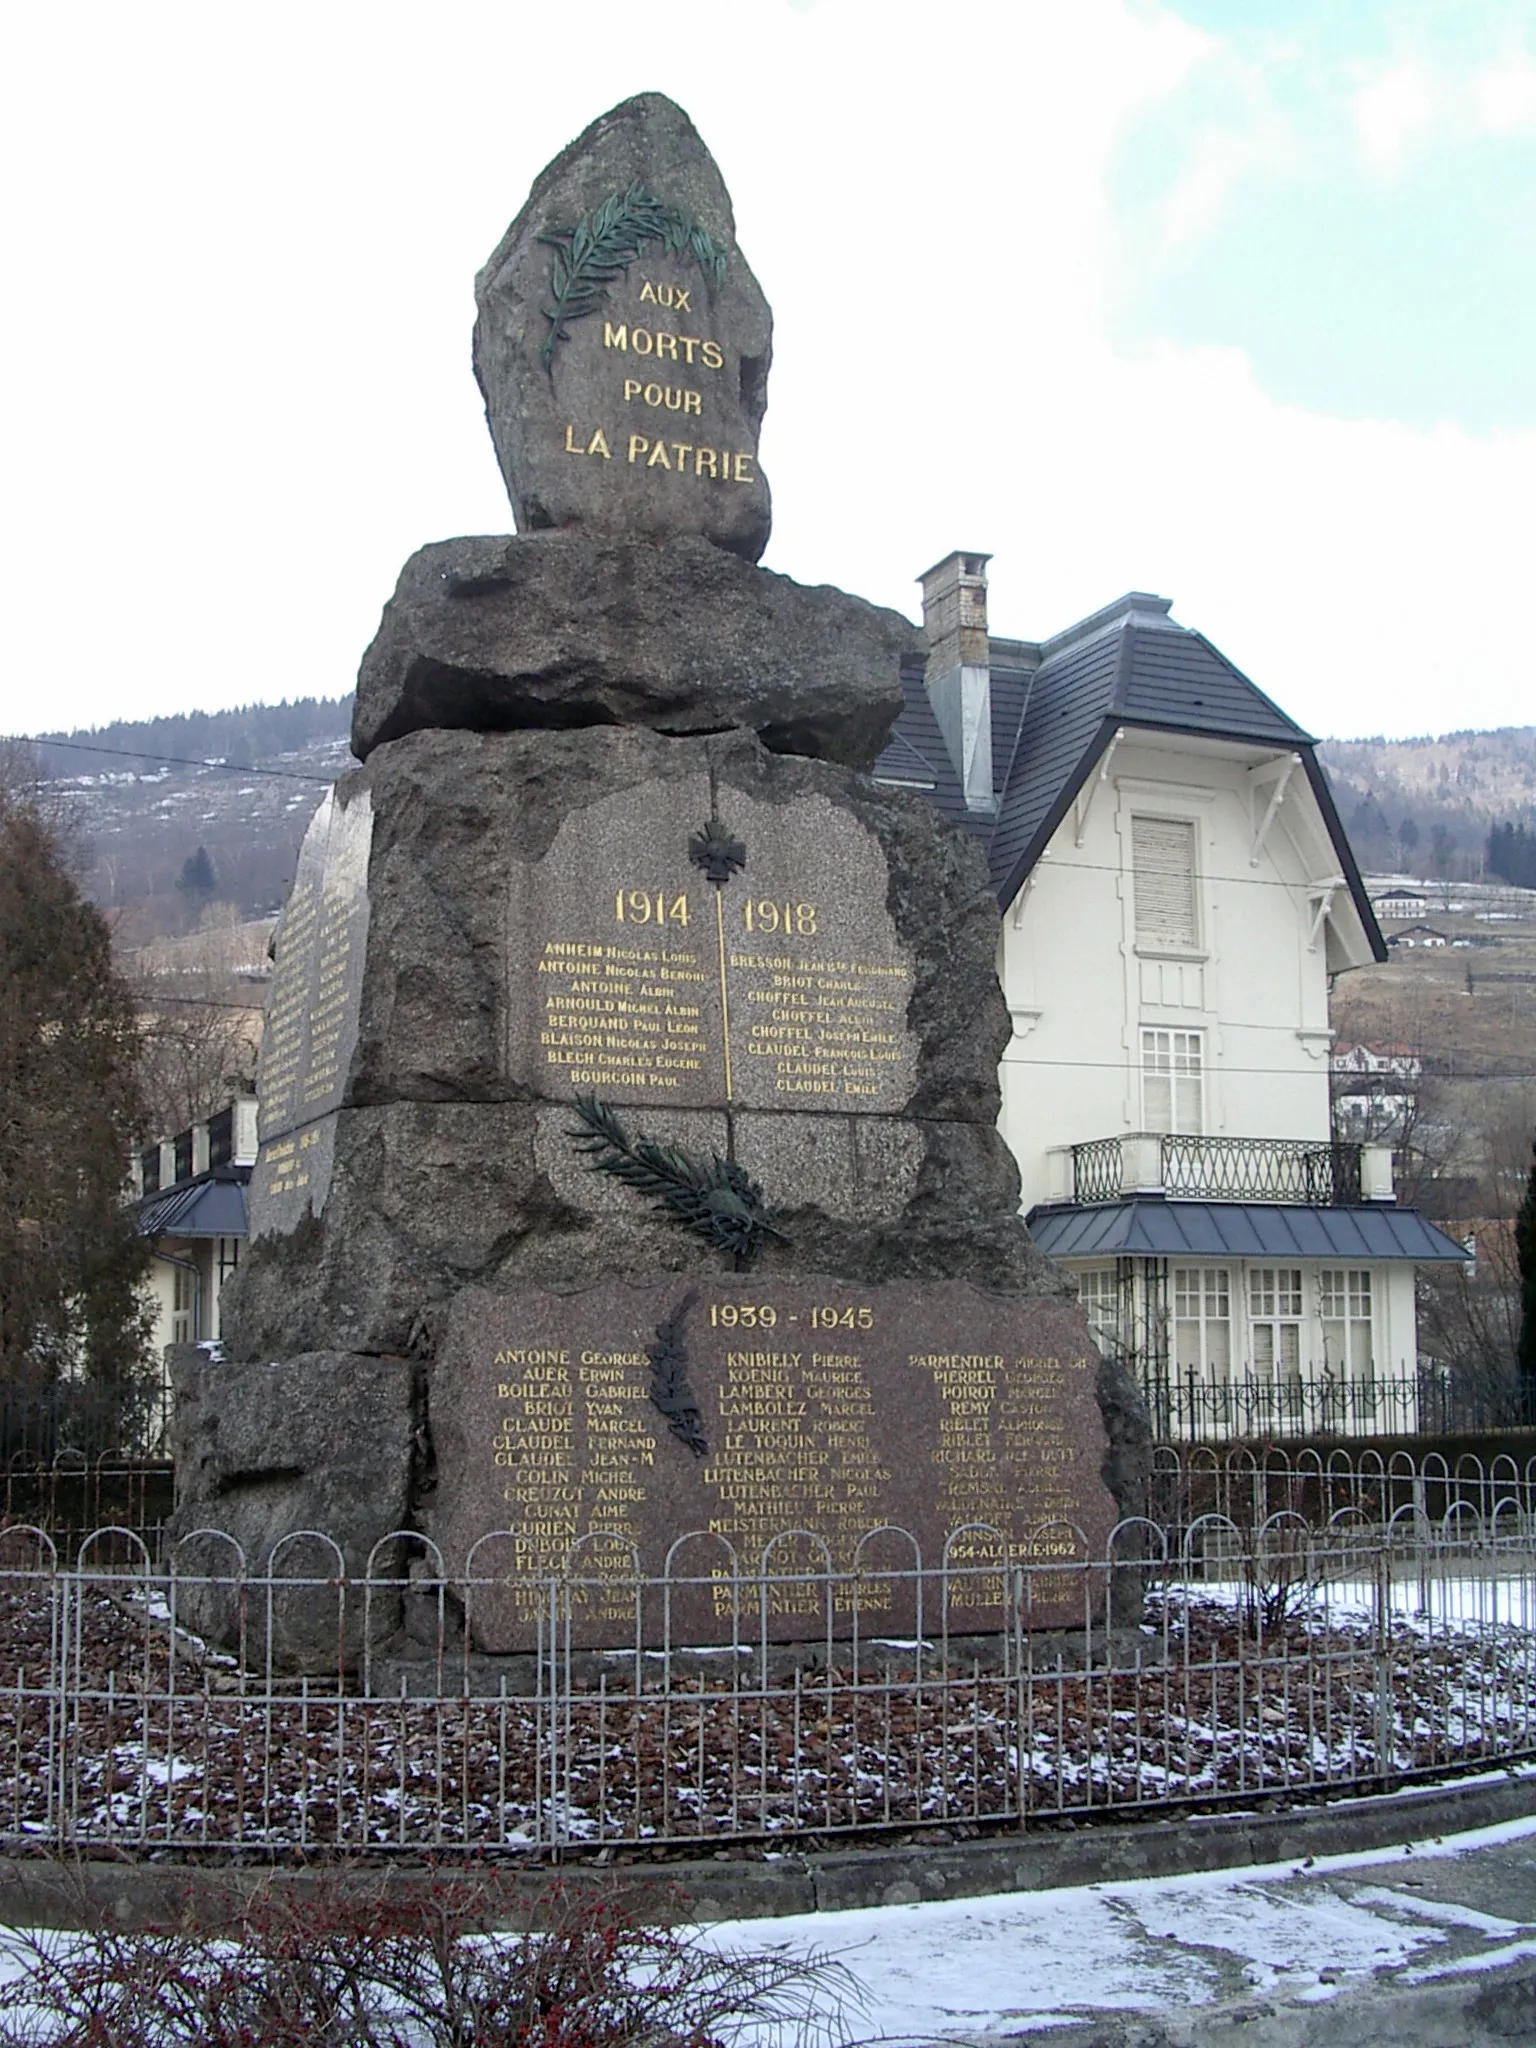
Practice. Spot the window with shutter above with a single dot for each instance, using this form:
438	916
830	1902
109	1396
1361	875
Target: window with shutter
1163	876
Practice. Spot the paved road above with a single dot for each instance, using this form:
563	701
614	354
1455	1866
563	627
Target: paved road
1428	1947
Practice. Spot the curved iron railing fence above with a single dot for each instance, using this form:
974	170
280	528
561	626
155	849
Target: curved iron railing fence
1281	1628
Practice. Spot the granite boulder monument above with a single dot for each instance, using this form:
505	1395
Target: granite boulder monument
630	1191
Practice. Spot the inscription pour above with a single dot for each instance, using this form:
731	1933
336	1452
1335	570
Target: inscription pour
682	354
646	1007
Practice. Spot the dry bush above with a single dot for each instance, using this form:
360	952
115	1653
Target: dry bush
344	1965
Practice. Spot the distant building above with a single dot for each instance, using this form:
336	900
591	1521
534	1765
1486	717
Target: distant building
1419	935
1398	902
1177	890
190	1203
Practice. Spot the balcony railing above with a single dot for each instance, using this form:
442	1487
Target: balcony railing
1435	1402
1217	1169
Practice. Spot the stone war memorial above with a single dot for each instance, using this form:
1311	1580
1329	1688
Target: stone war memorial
630	1199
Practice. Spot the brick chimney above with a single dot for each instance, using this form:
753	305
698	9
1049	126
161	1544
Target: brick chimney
958	672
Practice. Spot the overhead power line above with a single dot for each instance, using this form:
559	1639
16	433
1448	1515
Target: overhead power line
180	761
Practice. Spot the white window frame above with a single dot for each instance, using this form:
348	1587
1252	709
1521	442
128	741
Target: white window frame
1173	1058
1200	1299
1277	1320
1098	1294
1346	1314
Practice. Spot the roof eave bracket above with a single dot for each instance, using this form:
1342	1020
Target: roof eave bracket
1280	772
1090	789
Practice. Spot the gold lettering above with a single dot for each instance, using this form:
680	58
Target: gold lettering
680	449
598	445
631	389
658	454
648	292
666	345
641	341
570	446
700	457
616	337
713	356
637	445
743	470
692	402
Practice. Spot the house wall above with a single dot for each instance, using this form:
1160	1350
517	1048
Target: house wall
1080	989
197	1319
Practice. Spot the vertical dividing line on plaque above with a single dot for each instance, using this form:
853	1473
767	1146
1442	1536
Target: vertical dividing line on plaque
725	1000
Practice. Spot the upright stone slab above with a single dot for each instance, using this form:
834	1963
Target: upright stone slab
623	344
629	1123
312	1012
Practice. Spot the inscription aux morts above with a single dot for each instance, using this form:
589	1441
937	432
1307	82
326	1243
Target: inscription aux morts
668	352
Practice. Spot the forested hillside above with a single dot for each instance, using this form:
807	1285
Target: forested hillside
179	817
1428	805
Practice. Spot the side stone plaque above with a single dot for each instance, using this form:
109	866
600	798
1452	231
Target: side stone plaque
699	947
590	1432
312	1012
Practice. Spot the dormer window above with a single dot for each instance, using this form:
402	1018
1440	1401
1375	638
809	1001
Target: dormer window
1163	884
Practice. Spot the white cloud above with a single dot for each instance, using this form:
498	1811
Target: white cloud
241	397
1392	111
1504	95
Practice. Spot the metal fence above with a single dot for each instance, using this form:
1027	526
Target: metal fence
1369	1626
1432	1402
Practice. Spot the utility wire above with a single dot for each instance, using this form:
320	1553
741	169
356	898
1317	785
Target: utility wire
179	760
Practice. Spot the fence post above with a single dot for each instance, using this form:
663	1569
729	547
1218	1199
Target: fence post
1386	1705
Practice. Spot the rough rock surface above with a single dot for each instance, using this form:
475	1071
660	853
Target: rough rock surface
637	410
451	1163
561	630
323	1441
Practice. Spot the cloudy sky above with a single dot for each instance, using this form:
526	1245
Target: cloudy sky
1232	300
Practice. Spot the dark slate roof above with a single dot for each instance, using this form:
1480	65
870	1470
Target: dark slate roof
1127	666
213	1205
1155	1229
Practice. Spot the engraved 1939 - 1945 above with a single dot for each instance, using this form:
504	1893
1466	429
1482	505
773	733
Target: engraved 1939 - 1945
594	1430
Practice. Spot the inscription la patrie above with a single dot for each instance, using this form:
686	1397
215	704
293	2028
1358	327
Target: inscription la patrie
826	1422
656	366
633	976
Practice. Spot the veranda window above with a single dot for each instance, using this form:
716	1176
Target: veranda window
1098	1290
1344	1299
1202	1321
1274	1318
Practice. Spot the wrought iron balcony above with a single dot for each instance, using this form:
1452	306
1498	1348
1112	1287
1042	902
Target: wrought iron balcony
1217	1169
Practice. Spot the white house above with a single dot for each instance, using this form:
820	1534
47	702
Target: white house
190	1204
1177	893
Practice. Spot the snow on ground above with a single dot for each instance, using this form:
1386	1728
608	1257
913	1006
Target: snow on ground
980	1969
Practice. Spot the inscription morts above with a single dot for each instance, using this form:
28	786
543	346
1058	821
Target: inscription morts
632	975
312	1011
587	1433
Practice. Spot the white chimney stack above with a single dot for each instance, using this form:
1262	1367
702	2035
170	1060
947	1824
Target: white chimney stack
958	672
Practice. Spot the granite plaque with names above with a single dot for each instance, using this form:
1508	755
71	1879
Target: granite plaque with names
704	1421
312	1013
706	949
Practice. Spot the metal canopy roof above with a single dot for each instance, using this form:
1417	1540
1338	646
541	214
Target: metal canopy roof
1156	1229
213	1205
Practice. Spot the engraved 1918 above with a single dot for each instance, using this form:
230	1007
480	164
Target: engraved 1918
790	920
